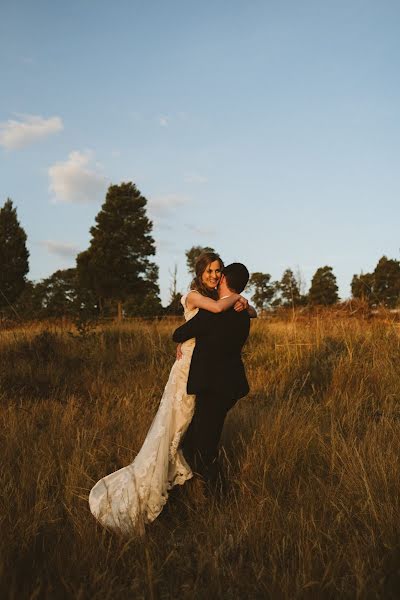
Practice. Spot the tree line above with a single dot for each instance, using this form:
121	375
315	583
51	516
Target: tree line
116	276
379	288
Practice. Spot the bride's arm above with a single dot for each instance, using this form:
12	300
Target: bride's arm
197	300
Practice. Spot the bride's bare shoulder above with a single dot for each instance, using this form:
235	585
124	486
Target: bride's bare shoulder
189	299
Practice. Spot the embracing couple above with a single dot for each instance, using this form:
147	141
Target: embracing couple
205	381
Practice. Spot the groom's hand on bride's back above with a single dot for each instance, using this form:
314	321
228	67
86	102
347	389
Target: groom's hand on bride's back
179	352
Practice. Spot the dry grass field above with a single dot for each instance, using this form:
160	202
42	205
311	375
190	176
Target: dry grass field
312	457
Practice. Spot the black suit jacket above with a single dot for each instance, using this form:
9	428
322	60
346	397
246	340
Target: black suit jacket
216	366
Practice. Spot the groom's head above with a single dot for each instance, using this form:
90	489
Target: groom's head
235	276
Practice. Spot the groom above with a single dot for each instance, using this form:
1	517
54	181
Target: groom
217	376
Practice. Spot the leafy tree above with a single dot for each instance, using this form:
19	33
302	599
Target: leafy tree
59	294
143	306
173	288
29	302
55	296
324	289
362	287
289	289
174	306
386	284
263	290
193	254
116	266
14	255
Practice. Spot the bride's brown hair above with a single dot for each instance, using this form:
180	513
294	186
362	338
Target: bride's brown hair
201	265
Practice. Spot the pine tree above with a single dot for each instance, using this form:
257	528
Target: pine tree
116	265
14	264
324	289
362	287
289	289
387	282
148	303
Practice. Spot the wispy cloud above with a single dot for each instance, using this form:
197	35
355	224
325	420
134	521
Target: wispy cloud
27	129
63	249
162	206
77	180
164	245
164	121
164	226
194	178
200	230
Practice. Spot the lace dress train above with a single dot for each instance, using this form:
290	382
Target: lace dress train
134	495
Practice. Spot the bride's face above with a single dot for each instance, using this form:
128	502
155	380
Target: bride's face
212	275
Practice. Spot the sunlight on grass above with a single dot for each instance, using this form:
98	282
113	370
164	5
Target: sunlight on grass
312	503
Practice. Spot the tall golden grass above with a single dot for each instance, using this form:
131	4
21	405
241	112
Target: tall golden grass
311	456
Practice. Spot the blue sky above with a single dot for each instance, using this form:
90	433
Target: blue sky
267	130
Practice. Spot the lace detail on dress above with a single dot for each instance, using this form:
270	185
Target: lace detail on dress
126	499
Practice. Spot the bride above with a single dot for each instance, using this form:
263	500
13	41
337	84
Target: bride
134	495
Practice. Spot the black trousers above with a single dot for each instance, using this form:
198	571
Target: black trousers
200	444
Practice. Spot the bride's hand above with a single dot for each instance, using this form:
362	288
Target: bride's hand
179	352
241	304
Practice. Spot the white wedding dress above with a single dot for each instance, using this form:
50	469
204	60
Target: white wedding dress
134	495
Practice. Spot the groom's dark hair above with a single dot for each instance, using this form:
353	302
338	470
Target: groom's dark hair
237	277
